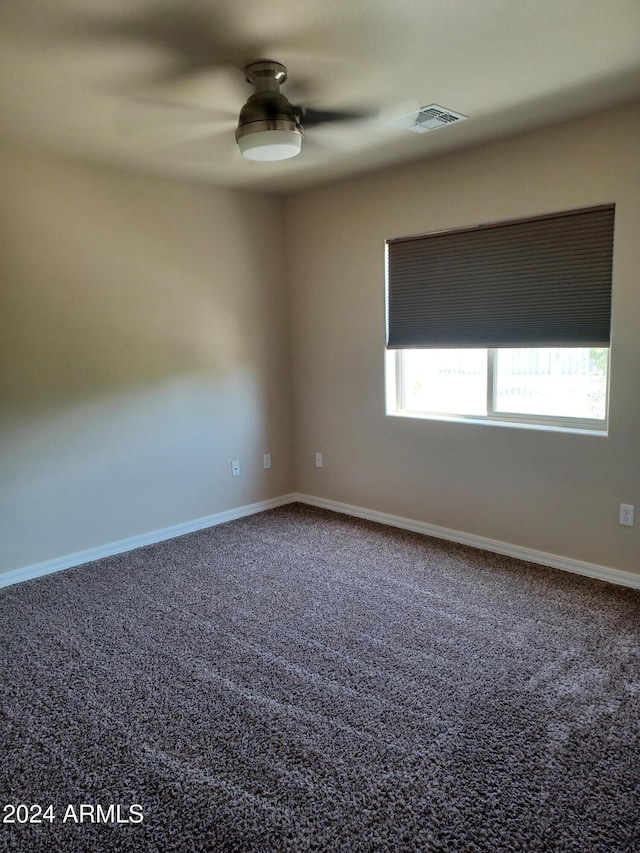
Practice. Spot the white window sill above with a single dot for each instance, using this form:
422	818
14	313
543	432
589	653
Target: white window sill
601	431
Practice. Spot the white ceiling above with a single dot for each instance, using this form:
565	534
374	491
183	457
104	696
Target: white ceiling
156	86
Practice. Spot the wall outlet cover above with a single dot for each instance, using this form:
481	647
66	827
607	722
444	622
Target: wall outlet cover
626	515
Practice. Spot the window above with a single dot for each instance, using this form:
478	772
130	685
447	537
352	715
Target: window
548	386
507	322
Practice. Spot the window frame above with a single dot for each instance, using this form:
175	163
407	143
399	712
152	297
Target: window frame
395	404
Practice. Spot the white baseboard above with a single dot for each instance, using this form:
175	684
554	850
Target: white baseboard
590	570
567	564
77	559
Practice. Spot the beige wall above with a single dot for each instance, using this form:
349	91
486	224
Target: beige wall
143	346
145	342
552	492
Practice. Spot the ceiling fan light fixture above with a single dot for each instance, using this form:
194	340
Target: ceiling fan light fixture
269	127
269	144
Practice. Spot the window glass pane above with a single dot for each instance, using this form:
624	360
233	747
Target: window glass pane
448	381
560	381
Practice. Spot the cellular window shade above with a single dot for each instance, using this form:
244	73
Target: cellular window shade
528	283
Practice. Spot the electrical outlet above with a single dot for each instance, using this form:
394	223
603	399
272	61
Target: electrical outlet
266	460
626	515
319	462
235	468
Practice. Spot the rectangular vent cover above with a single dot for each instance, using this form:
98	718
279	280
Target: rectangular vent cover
429	118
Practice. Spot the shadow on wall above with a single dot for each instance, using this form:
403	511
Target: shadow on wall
141	348
104	291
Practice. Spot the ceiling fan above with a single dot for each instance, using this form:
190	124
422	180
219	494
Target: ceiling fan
197	42
270	127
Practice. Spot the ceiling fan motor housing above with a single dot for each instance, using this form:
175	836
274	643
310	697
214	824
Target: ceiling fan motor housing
267	109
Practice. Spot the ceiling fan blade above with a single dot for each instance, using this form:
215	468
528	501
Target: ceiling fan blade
210	149
310	117
177	40
184	33
141	114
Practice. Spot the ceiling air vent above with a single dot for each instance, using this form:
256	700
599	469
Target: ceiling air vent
429	118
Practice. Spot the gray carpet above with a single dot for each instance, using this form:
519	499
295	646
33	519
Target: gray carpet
299	680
